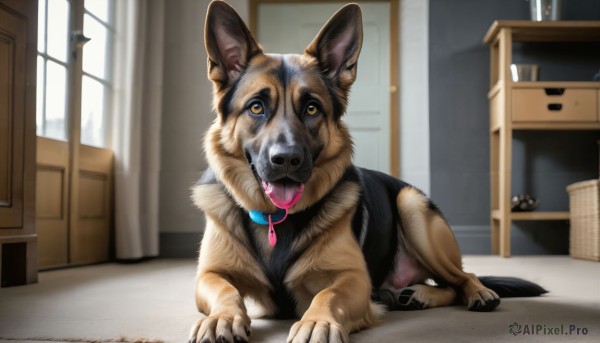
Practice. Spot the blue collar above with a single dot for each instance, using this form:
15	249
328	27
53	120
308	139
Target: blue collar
262	218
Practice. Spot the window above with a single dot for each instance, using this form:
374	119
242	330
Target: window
53	36
57	60
96	78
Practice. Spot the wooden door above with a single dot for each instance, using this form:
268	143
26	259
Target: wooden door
74	201
18	23
290	27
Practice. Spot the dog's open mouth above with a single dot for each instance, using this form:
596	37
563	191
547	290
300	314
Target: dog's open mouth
283	193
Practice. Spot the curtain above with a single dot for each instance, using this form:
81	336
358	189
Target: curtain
137	107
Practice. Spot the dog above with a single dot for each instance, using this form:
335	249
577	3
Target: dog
290	222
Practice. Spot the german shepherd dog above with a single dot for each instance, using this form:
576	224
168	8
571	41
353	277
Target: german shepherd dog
290	222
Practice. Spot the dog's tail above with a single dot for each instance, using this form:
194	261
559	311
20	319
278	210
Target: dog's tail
511	287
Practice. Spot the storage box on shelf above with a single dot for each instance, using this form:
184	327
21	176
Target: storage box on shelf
531	106
584	204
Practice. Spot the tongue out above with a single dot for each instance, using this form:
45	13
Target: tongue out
283	194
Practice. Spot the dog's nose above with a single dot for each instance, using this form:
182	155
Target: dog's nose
285	157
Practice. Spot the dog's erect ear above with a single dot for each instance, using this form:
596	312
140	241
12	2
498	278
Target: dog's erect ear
229	44
338	44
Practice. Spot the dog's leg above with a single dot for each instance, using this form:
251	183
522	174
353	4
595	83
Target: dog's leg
405	288
325	320
222	281
432	242
227	320
332	284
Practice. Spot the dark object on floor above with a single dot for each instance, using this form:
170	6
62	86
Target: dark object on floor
511	287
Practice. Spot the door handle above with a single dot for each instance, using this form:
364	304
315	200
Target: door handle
78	39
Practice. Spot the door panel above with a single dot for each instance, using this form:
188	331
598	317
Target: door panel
90	234
87	239
290	27
13	30
52	202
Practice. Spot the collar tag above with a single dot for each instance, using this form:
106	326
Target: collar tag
262	218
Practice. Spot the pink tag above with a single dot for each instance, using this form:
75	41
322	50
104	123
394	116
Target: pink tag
272	234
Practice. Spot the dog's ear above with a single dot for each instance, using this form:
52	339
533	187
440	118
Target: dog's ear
229	44
338	44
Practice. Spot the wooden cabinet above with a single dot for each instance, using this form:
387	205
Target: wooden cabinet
18	41
531	106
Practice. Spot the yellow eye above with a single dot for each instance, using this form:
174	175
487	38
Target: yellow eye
256	108
312	110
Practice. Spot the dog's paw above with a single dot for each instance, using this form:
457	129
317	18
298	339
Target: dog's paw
311	331
386	298
410	299
221	328
406	299
483	300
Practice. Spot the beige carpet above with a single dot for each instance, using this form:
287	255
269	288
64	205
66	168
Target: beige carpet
153	302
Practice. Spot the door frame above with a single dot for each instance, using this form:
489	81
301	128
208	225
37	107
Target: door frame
394	112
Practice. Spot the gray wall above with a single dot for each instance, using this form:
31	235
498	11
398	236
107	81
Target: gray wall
186	109
187	113
544	162
414	93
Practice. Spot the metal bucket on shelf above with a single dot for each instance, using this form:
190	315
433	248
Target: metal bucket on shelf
545	10
524	72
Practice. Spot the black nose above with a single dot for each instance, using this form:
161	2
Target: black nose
285	157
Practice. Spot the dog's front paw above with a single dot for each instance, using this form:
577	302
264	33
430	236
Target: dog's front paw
321	331
221	328
483	300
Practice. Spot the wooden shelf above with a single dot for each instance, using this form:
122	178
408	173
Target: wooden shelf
557	84
535	215
546	31
540	215
557	126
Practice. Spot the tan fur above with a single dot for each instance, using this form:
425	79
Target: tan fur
331	283
433	244
330	277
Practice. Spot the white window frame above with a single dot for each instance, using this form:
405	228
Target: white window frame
77	12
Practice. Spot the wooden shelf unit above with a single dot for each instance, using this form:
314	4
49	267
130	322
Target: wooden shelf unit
531	106
536	215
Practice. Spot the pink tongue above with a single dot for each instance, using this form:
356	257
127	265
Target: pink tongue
283	194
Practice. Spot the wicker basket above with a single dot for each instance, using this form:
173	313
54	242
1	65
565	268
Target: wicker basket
584	203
